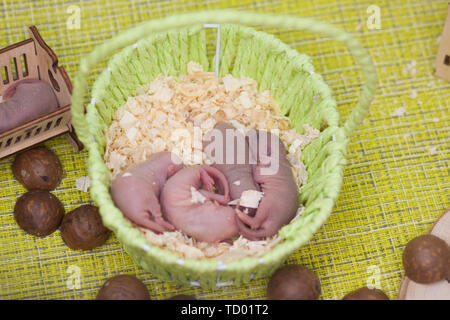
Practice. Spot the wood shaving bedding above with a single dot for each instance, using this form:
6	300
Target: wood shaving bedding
173	114
83	183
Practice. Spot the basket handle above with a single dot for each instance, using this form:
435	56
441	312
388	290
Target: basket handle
132	35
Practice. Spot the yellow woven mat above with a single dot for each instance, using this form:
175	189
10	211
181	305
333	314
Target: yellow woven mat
396	181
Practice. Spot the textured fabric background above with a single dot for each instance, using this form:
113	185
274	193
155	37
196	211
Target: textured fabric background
396	181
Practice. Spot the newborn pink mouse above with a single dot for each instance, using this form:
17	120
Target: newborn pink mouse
273	172
26	100
200	213
136	191
231	155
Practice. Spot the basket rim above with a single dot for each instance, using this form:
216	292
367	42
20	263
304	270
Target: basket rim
114	219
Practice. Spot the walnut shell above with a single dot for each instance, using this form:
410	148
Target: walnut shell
38	168
293	282
83	228
366	293
123	287
426	259
38	212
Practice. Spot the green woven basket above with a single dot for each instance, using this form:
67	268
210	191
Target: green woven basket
165	46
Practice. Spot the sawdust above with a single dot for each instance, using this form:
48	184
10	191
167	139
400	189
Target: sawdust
173	114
